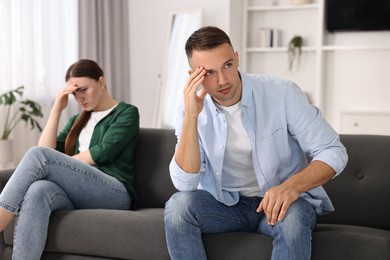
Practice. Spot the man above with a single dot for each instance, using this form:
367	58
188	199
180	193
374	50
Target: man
240	162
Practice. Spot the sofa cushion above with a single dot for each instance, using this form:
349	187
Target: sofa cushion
106	233
329	242
361	191
154	151
113	234
332	241
237	245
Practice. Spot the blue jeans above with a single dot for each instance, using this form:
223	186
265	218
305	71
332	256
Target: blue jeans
47	180
189	214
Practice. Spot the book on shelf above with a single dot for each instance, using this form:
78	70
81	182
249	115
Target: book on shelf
268	38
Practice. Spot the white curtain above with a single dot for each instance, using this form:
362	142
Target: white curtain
38	42
176	68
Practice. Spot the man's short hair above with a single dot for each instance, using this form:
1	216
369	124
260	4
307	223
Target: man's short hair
206	38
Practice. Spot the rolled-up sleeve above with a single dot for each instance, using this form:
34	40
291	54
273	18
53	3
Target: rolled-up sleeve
314	134
182	180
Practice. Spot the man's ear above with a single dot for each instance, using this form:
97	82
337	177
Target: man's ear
237	58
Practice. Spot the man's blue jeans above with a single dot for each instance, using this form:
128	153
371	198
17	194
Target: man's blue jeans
188	214
46	180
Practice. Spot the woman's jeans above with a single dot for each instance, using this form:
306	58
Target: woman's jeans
188	214
47	180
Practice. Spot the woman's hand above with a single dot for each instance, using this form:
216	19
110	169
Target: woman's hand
61	101
49	135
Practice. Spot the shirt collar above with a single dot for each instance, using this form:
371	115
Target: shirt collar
246	90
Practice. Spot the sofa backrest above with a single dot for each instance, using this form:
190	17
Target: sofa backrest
361	193
154	151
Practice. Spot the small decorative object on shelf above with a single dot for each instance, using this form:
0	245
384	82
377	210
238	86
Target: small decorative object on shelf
271	2
268	38
294	50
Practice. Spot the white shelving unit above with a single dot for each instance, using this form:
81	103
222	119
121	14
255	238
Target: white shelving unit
290	20
356	48
342	71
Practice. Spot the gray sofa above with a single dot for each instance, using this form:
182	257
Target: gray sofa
358	229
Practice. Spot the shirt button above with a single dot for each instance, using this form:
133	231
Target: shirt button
217	173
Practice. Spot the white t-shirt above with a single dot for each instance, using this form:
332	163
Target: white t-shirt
238	172
86	133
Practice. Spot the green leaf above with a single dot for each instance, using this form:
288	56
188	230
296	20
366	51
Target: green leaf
28	111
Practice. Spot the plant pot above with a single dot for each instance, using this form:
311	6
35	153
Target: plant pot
300	2
6	152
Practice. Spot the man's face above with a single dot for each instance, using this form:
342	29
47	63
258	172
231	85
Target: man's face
222	80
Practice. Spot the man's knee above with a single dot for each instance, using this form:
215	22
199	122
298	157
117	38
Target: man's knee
185	204
300	217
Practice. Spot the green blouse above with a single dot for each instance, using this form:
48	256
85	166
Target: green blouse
112	144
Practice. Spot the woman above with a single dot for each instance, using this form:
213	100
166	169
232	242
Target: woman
92	167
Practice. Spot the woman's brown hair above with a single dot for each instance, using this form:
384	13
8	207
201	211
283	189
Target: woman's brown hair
82	68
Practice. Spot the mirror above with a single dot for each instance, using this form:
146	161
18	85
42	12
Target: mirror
175	69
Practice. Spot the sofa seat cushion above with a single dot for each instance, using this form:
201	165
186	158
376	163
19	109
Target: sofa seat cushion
237	245
112	234
106	233
330	241
337	241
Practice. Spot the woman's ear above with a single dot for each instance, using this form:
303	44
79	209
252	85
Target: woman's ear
102	82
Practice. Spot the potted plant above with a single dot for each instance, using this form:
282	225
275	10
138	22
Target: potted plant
27	111
294	50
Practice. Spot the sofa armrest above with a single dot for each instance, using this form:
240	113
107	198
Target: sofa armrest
4	177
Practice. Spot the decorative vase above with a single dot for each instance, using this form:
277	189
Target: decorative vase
300	2
6	152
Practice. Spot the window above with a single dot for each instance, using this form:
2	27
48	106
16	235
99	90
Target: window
38	42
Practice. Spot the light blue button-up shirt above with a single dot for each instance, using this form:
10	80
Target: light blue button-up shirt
283	129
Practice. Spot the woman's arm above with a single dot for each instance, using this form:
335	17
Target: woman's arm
49	134
84	157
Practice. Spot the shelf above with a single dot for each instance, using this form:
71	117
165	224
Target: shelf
355	48
282	7
278	49
287	18
333	64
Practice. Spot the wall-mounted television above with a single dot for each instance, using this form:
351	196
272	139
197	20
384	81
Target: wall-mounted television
357	15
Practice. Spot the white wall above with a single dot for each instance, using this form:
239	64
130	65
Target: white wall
357	82
149	21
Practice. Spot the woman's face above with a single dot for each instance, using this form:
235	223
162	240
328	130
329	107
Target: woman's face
89	92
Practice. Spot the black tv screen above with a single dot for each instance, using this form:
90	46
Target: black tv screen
357	15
